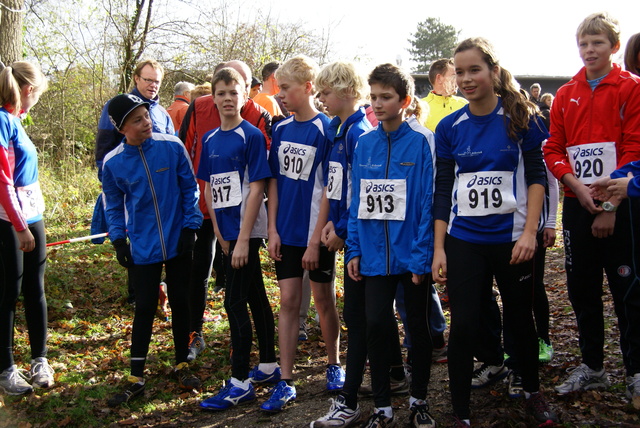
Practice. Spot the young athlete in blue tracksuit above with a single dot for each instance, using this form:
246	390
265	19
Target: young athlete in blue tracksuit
489	191
151	198
234	166
390	236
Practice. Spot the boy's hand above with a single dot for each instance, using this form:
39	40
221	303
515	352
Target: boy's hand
274	247
598	189
548	237
224	245
240	254
439	267
524	249
26	240
586	201
603	225
618	186
123	252
311	257
417	279
326	230
186	242
353	267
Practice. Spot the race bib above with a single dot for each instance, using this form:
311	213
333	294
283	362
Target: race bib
31	200
591	161
225	189
485	192
296	160
334	183
382	199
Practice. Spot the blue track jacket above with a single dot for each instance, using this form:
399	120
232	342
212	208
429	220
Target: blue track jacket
393	247
150	195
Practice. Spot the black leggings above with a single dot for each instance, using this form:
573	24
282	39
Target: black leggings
382	330
146	282
469	267
245	285
22	273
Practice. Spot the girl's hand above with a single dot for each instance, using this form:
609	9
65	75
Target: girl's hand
27	241
524	249
439	267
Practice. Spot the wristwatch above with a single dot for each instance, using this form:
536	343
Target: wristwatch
609	207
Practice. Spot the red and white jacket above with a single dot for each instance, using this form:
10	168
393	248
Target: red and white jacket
580	116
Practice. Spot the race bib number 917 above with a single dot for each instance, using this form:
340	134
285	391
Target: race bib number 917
592	161
486	192
225	189
382	199
296	160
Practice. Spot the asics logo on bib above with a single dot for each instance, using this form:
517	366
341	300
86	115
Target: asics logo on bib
294	150
377	188
588	152
221	180
484	181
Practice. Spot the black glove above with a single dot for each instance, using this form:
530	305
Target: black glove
123	252
186	242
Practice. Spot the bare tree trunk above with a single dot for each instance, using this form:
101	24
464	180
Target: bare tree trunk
135	42
11	33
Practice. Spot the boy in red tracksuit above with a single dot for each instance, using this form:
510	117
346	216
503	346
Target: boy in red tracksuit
595	128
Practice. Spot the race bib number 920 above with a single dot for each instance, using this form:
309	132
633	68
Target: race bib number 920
589	162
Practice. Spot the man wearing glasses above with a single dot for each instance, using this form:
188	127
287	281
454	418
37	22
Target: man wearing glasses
147	78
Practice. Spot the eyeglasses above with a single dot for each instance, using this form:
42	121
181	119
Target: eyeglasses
151	81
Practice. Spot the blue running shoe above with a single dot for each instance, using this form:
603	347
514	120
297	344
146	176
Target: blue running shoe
335	378
229	396
258	376
280	396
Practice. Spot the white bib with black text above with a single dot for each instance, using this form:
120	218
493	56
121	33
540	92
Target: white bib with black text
225	189
382	199
590	162
296	160
485	193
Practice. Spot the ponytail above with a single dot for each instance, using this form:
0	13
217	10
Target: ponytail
516	106
14	77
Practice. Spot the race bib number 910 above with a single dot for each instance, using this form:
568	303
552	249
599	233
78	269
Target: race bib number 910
225	189
296	160
382	199
485	193
592	161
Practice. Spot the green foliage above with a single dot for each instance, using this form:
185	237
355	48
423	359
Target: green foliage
432	40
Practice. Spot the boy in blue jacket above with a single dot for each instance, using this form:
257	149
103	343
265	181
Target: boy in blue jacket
390	236
151	197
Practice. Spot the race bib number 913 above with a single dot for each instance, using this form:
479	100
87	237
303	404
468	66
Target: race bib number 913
592	161
225	189
382	199
486	192
296	160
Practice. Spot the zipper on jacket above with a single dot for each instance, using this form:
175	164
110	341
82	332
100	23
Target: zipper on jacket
386	222
155	204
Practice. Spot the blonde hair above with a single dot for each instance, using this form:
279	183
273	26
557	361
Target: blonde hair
200	90
343	79
600	23
516	105
546	96
16	76
300	69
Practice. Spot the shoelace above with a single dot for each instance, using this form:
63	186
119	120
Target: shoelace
16	375
42	367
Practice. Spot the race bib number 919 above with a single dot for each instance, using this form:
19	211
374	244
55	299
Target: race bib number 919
225	189
382	199
486	192
592	161
296	160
